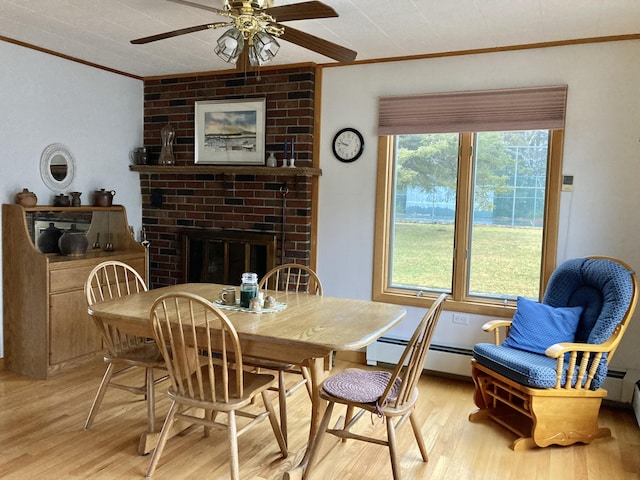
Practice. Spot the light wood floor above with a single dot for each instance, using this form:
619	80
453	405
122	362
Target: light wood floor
42	436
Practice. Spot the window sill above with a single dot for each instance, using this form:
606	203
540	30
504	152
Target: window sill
476	307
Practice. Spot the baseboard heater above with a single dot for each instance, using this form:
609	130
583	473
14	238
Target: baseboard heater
457	361
441	358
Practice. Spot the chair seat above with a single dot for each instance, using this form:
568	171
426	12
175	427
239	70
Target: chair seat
387	409
362	386
144	355
529	369
268	364
253	383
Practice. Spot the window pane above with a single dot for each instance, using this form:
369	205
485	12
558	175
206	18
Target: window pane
505	254
424	211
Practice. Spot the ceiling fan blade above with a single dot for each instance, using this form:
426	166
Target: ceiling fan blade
182	31
319	45
300	11
197	5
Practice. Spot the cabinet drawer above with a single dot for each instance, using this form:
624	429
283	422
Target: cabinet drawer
65	279
69	278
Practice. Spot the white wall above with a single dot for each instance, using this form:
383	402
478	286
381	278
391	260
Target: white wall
96	114
602	151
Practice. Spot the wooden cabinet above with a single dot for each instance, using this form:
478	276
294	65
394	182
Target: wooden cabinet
46	325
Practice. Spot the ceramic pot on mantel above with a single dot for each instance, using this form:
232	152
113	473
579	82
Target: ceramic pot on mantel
73	242
26	198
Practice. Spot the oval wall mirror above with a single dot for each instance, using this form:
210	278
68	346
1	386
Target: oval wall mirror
57	167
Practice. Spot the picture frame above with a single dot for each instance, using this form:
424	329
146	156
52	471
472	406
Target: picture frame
230	132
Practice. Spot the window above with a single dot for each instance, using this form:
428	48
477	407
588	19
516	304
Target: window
473	213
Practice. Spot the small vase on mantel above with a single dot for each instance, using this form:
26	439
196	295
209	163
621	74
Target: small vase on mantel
168	134
271	160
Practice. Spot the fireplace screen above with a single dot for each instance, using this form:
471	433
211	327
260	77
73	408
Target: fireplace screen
222	256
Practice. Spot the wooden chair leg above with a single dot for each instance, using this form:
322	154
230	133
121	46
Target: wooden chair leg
391	438
282	402
162	440
307	377
233	446
97	401
347	418
151	403
277	431
209	415
417	432
314	448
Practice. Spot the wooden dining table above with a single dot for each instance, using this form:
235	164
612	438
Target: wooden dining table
305	332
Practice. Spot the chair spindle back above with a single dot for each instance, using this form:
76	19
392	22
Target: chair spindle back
109	280
410	365
292	277
200	347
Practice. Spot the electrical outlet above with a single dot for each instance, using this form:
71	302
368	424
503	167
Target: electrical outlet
460	319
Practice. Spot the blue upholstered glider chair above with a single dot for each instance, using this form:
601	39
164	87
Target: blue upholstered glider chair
544	382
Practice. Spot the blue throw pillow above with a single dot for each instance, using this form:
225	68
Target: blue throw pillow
537	326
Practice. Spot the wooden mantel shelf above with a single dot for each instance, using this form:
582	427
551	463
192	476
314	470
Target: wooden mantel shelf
234	170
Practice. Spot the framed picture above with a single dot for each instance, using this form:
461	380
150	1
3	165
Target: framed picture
230	132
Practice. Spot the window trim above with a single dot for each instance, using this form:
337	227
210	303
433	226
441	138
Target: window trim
383	292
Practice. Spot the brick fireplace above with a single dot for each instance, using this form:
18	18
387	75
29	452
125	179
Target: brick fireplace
187	197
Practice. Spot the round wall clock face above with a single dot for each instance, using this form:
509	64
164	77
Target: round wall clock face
348	145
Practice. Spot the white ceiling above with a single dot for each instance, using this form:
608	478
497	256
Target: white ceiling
99	31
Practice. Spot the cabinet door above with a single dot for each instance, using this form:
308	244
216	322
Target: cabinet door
72	331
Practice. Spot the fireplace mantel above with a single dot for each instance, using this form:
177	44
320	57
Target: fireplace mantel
229	169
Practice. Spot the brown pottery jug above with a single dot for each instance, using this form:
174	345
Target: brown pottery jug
61	200
73	242
26	198
103	198
48	239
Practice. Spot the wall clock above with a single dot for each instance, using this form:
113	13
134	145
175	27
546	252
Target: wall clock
348	145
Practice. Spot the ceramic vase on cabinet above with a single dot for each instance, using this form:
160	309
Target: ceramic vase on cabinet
73	242
48	239
26	198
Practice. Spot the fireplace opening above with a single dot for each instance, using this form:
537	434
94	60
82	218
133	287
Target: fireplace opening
222	256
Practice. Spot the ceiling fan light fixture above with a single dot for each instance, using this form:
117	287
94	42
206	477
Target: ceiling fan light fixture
262	49
230	45
238	4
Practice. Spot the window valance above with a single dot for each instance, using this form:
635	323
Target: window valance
473	111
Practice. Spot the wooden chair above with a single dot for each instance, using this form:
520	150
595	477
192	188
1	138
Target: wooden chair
106	281
287	277
554	397
390	395
292	277
203	355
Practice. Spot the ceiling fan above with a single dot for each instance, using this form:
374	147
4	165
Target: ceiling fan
254	28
